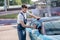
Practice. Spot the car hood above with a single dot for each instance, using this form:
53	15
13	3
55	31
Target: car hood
53	37
43	37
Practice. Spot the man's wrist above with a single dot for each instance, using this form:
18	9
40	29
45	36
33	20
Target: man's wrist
31	26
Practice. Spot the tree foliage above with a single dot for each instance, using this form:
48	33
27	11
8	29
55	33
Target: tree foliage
25	1
1	2
15	2
18	2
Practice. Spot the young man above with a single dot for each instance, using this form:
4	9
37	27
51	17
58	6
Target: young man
40	9
21	20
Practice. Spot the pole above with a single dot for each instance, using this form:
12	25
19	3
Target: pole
8	3
49	7
5	5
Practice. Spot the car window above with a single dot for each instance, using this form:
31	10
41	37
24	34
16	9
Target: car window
52	27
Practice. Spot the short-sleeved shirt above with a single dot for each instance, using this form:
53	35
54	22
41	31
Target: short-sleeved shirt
20	16
36	12
39	12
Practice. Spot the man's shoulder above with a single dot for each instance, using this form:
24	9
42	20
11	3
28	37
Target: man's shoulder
19	14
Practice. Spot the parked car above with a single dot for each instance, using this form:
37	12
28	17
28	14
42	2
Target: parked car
50	29
55	11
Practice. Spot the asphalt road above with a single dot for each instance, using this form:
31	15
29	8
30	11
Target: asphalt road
9	12
8	21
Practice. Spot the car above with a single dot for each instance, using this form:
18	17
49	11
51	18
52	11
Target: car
50	29
55	11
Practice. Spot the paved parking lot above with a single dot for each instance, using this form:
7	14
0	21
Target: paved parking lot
9	33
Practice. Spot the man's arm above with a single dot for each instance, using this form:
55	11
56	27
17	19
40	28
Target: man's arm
34	16
25	26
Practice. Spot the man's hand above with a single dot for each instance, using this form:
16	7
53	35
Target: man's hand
37	18
34	26
34	16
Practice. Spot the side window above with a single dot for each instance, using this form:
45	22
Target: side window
52	28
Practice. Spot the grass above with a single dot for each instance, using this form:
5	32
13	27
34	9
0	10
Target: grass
9	16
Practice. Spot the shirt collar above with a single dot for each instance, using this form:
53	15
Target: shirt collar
23	12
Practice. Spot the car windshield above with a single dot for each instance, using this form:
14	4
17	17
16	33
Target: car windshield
52	27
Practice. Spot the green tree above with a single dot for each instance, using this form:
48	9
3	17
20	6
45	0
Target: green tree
29	1
1	2
25	1
18	2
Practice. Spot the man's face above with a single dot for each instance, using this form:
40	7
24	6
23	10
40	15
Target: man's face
41	6
24	10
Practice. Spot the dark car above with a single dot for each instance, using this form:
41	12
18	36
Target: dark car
55	11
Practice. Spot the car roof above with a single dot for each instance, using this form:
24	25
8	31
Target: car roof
45	19
48	19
